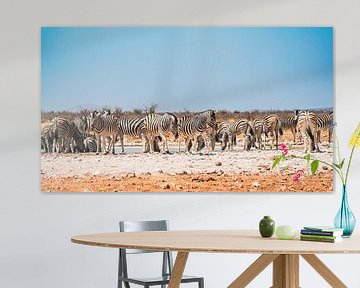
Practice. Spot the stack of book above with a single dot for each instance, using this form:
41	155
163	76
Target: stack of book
321	234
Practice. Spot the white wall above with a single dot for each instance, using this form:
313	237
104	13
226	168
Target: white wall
35	228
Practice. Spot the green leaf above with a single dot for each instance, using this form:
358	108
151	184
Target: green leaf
342	163
307	157
314	166
339	166
276	162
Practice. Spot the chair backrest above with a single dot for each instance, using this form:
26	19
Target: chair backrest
134	226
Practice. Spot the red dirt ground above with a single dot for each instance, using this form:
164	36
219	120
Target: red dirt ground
270	182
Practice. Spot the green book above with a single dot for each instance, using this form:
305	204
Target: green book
319	236
325	240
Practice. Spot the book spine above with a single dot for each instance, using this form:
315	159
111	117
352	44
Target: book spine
320	233
318	239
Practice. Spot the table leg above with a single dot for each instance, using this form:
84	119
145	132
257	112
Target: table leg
178	269
253	270
324	271
286	271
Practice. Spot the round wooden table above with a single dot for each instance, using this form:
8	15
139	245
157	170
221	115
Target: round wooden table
284	254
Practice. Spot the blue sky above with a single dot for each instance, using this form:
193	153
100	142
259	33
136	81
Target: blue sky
179	68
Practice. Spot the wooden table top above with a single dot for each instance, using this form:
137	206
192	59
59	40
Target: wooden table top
217	241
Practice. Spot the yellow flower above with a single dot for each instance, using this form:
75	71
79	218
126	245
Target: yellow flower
355	138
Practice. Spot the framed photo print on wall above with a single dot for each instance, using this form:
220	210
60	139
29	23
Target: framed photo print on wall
185	109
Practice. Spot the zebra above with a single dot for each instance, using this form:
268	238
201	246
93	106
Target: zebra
77	141
227	133
273	126
106	127
135	128
43	144
268	125
307	125
324	121
83	124
199	126
48	138
222	134
260	128
160	125
290	122
90	144
66	132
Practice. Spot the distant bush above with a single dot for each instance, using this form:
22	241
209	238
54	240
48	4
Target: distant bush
151	109
221	115
137	111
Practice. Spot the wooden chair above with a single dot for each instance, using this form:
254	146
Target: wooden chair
167	262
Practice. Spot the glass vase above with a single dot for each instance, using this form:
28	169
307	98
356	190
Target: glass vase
345	219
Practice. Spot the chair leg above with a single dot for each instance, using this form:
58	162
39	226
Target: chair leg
201	283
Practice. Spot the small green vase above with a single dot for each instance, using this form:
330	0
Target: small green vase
267	227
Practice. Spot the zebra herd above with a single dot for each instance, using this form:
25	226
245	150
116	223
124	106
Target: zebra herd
98	131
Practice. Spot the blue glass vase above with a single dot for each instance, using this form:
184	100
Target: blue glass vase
345	219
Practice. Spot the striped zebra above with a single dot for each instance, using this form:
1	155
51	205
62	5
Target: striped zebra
268	125
156	125
68	137
198	127
290	123
273	127
324	121
227	133
135	128
104	127
307	125
90	144
77	141
260	129
48	138
43	144
222	134
83	124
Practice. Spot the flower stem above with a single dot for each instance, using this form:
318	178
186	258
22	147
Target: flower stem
351	156
348	166
338	149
